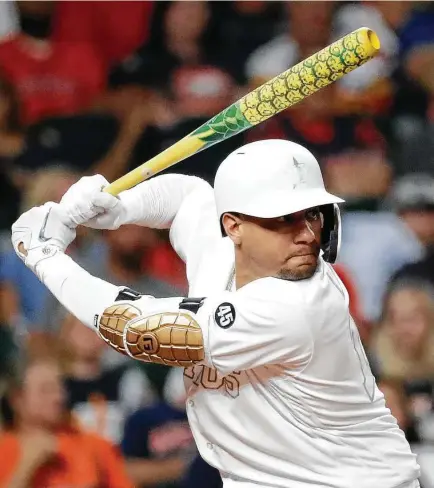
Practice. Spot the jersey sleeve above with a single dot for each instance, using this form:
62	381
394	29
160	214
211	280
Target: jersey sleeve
260	324
195	227
82	294
184	204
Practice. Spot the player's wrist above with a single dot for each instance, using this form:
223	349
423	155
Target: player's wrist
130	208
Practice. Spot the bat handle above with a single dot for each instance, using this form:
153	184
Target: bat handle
128	181
177	152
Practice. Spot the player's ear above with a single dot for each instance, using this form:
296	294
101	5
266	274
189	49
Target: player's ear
231	224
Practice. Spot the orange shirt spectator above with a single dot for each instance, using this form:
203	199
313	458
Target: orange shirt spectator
40	447
79	459
51	78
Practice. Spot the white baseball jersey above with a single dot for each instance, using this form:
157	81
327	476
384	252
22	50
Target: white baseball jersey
286	397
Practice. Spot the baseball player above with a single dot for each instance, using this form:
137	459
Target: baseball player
280	393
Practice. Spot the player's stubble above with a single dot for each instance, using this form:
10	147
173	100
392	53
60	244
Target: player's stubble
300	266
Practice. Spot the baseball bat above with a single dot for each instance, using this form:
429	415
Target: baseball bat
290	87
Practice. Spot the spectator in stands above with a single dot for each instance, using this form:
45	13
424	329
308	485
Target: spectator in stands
423	269
242	26
371	89
412	198
114	29
89	143
100	398
374	87
158	443
182	36
195	94
404	344
308	30
93	142
417	49
398	83
181	66
41	447
51	78
11	145
376	245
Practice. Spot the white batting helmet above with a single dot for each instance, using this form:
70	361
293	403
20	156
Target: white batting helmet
272	178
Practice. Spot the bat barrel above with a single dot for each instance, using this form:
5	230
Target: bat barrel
305	78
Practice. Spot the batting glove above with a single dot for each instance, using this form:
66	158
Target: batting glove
86	204
42	233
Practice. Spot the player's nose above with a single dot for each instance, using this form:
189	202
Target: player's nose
304	233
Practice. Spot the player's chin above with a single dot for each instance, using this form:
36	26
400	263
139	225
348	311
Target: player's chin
301	268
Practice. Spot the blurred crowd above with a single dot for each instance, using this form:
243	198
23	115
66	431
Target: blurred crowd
99	87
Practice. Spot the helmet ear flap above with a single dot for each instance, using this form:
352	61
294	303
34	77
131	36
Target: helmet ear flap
331	232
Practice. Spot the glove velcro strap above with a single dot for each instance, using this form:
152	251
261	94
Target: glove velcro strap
38	254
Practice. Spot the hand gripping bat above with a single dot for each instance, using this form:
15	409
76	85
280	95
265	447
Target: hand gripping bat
290	87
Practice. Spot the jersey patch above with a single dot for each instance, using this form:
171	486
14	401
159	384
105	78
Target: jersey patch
225	315
128	294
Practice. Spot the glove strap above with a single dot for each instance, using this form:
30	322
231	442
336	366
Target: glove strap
38	254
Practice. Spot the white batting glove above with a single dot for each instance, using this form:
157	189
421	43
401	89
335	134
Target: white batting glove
42	233
86	204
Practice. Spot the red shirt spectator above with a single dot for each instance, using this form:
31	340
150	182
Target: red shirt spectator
115	29
363	326
51	78
164	264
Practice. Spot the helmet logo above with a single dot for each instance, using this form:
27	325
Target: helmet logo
301	173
